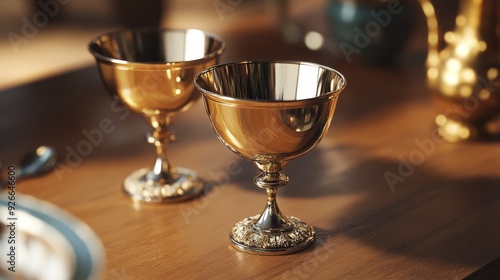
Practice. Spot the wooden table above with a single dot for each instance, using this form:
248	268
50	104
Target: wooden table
437	217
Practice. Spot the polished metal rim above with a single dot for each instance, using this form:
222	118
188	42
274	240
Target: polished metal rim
241	102
140	64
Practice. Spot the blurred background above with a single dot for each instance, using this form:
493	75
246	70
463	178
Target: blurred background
40	38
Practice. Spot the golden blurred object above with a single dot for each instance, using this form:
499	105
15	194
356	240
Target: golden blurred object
151	71
270	113
463	76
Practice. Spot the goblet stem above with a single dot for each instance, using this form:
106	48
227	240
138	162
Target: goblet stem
272	218
162	183
162	170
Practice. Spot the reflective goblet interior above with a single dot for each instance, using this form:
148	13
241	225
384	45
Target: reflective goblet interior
270	113
151	71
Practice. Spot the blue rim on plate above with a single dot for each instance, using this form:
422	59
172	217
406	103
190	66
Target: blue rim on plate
87	247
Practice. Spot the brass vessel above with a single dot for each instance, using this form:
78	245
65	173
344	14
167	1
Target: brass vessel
270	112
151	71
464	75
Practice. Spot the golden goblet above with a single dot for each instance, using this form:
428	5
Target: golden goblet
151	71
270	112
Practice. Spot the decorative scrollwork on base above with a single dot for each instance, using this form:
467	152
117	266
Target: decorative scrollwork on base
295	236
185	187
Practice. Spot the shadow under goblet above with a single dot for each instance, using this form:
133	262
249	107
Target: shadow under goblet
151	71
270	112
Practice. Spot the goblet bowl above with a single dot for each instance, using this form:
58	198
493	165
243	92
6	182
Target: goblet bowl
270	112
151	71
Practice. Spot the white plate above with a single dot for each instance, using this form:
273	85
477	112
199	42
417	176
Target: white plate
52	239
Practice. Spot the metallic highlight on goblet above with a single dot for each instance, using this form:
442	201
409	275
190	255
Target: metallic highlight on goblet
151	71
270	112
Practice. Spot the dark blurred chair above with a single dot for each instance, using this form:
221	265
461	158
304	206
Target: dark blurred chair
144	13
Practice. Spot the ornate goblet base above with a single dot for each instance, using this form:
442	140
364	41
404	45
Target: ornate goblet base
294	237
183	186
